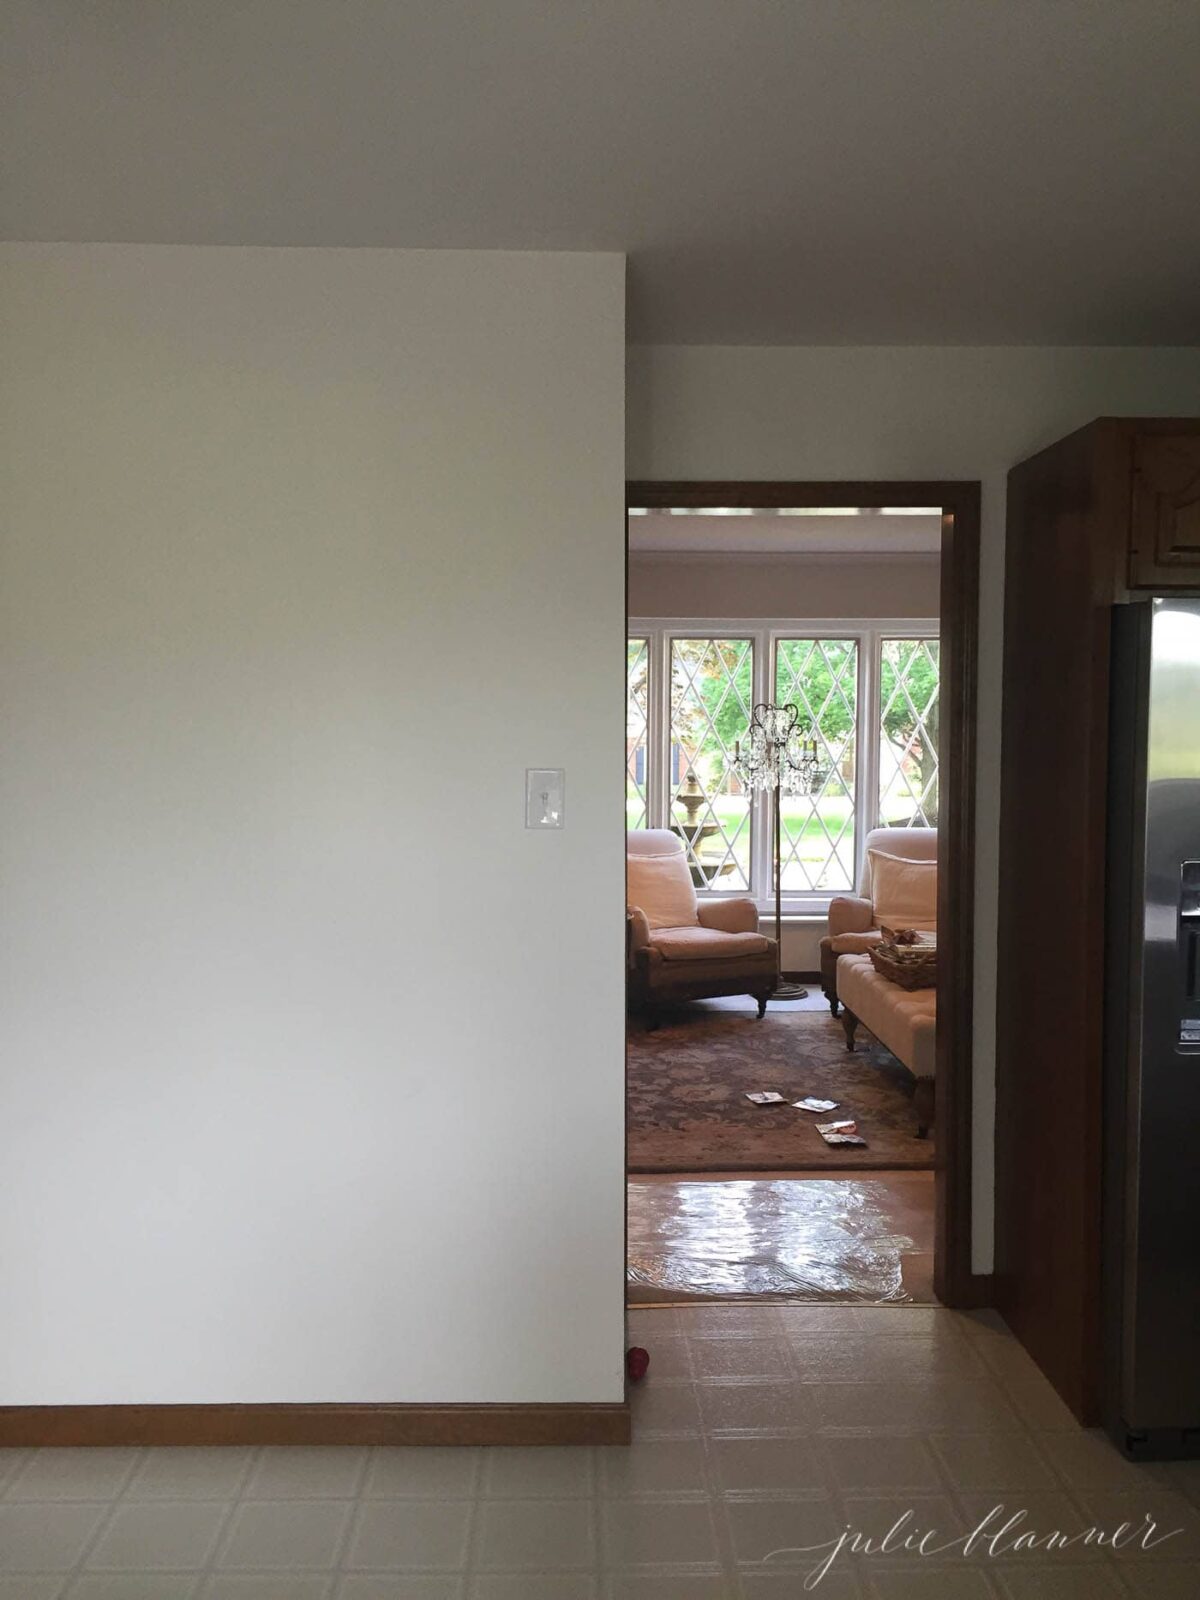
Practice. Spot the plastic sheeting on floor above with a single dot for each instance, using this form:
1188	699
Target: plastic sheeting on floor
831	1240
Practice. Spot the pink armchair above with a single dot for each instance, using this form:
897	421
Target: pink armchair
682	948
853	924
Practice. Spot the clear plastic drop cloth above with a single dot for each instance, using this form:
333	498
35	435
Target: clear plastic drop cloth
802	1240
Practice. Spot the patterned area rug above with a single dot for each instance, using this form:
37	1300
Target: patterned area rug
687	1106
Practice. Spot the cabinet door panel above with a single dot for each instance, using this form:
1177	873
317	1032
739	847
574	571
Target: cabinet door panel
1165	512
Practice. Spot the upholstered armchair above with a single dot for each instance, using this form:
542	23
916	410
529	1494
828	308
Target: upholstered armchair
682	948
854	920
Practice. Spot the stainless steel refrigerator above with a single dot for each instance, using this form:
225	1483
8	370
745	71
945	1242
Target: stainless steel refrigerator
1151	1215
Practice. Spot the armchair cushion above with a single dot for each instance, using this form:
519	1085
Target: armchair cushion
738	915
904	891
850	914
658	879
846	944
911	844
705	944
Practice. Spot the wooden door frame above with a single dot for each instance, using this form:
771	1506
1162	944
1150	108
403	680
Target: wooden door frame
954	1282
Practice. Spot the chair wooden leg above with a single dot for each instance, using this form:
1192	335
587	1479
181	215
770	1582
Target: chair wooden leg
849	1024
762	1005
829	963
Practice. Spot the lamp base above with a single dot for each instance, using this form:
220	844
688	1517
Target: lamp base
789	991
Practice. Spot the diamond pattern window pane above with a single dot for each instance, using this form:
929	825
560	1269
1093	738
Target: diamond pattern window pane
711	690
817	843
908	733
637	686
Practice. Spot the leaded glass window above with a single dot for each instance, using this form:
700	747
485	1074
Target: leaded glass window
820	676
711	690
909	709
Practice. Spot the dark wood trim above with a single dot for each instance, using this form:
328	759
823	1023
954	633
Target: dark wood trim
25	1426
948	494
952	1276
959	500
980	1292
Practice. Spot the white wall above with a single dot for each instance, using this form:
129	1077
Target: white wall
690	584
816	413
307	554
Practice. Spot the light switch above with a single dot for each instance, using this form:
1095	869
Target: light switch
544	797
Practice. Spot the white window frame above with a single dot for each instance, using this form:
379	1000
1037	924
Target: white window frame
868	635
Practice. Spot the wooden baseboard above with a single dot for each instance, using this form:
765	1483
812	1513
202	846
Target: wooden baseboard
25	1426
801	977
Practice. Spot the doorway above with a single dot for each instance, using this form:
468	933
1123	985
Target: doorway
726	843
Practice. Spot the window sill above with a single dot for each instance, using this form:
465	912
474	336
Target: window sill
816	913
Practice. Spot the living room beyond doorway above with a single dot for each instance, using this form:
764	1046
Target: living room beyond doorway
796	756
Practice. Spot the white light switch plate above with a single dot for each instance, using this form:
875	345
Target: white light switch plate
544	797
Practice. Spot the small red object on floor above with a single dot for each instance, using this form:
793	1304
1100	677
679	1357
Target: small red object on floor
637	1361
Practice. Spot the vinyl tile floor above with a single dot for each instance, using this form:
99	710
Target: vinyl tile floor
758	1431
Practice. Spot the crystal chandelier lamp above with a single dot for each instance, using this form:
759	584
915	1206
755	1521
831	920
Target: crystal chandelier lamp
777	757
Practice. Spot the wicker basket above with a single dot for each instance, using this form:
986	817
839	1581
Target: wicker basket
909	966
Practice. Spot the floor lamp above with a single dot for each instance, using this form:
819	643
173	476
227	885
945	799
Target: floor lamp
776	757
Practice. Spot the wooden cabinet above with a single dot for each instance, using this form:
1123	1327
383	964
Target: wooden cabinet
1164	542
1107	514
